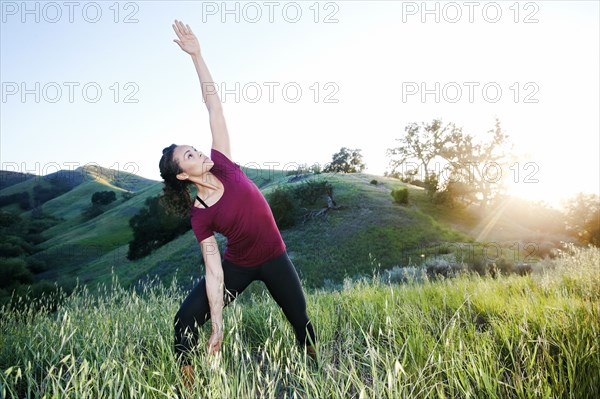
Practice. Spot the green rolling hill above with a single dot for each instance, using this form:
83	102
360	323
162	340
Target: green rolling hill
368	232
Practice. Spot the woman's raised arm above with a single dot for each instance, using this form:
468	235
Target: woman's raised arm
189	43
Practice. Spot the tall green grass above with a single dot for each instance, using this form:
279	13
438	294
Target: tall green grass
533	336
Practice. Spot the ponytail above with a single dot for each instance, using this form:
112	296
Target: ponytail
176	196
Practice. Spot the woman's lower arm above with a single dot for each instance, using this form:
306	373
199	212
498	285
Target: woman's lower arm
210	94
215	291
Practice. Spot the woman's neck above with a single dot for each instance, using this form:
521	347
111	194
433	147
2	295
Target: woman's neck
207	185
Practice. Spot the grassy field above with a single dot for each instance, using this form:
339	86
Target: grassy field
532	336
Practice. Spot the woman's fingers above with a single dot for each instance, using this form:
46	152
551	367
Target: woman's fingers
214	344
179	29
182	30
213	348
182	27
177	32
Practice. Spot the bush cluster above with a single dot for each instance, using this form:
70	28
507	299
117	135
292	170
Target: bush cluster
21	198
400	195
287	202
103	197
153	227
18	238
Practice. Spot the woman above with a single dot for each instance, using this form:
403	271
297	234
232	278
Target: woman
228	202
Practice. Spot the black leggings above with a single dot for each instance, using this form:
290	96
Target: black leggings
282	281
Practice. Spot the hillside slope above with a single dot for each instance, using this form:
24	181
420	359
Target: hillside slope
88	250
368	232
368	228
79	185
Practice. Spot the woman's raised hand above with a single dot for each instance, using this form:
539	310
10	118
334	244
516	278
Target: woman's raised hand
187	40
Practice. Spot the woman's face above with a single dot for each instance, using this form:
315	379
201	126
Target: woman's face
191	161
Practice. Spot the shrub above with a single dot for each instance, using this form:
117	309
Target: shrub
443	198
309	192
431	185
286	203
103	197
14	271
400	195
9	219
153	227
284	207
35	238
92	212
398	274
443	265
36	266
9	250
15	244
126	195
99	201
489	265
21	198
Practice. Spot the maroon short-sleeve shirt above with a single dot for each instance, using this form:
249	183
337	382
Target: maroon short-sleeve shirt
242	215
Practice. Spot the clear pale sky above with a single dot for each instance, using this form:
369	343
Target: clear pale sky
355	63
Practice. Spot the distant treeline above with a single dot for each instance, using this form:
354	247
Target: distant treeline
41	194
21	198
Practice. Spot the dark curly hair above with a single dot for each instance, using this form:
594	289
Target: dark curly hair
176	194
